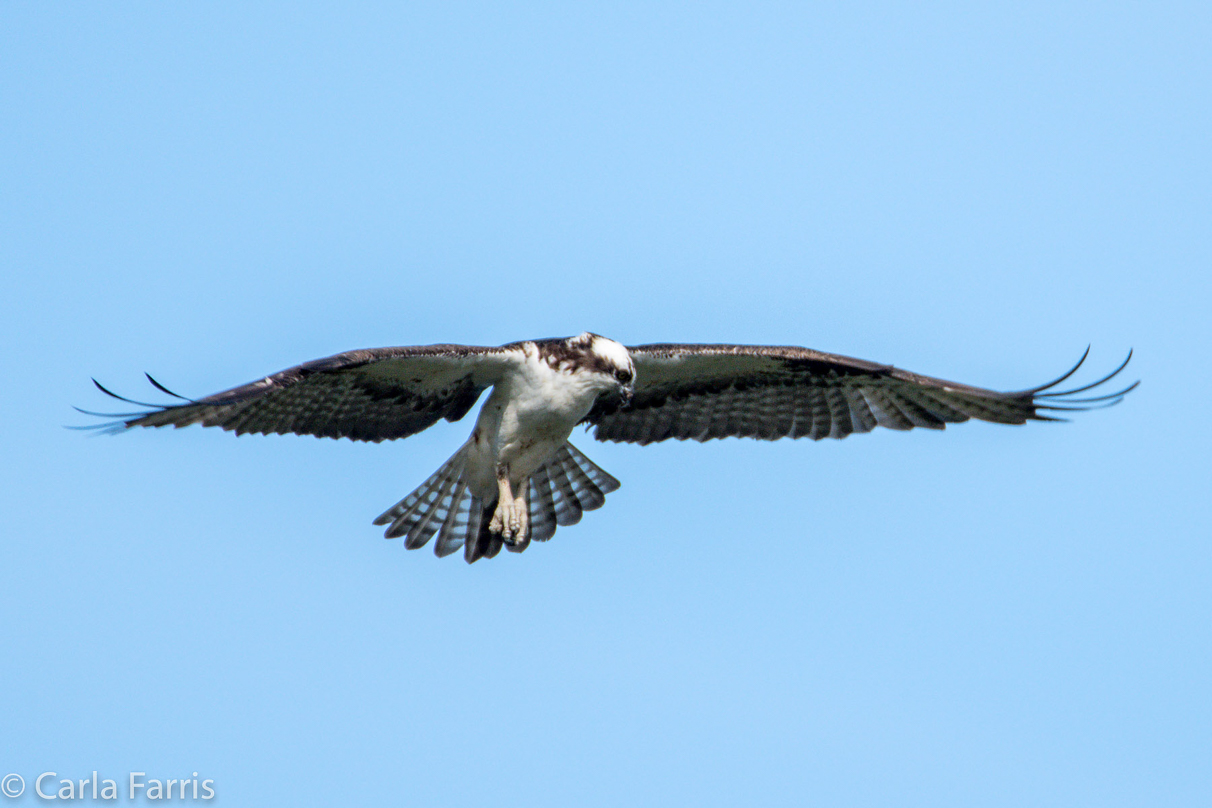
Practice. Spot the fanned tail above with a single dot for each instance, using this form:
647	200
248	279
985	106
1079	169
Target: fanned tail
443	506
559	492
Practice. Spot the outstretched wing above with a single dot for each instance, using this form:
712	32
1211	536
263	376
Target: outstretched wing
767	392
369	395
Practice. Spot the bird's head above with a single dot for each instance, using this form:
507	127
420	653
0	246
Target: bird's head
609	361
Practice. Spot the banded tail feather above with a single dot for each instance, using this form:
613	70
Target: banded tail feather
443	507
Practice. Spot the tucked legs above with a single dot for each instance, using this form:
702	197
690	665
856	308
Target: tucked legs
511	519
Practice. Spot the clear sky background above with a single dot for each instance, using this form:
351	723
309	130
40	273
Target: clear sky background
994	616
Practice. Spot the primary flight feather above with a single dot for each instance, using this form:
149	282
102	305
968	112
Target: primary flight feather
517	477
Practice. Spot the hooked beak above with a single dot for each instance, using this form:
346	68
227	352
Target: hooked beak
626	391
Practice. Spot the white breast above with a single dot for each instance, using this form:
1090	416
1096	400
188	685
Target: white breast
531	412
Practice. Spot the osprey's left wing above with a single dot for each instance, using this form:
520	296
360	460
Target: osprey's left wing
768	392
369	395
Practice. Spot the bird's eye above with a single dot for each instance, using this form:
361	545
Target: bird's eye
623	375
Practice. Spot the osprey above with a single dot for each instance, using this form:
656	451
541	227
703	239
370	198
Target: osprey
517	477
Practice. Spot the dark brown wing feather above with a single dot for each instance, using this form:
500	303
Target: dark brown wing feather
702	392
368	395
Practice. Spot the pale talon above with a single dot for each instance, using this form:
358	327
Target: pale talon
503	518
511	519
521	520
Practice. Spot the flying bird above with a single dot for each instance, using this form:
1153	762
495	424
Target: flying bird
518	477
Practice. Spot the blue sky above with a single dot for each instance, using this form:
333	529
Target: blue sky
990	616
